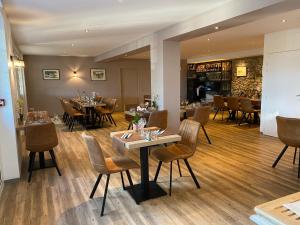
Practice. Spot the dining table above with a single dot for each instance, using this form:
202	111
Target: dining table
278	211
88	106
256	103
146	189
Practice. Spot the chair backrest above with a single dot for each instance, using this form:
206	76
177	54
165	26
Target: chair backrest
201	114
41	137
246	105
188	131
158	119
233	103
219	101
288	130
98	98
95	153
111	105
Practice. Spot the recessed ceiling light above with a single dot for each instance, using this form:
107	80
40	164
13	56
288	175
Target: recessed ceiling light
208	39
86	30
284	21
216	28
120	1
73	44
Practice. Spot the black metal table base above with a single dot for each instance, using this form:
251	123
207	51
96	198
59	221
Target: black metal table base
155	191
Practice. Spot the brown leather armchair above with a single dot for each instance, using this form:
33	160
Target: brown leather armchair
39	139
288	130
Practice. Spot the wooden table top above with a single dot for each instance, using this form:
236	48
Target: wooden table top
34	118
133	142
275	212
87	104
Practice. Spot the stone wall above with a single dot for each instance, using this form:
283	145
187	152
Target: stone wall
250	85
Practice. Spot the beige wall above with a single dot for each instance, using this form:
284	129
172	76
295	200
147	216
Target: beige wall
42	94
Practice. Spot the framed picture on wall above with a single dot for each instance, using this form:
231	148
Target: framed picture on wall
98	74
51	74
241	71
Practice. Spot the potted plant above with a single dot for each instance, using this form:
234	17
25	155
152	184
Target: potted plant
20	108
135	122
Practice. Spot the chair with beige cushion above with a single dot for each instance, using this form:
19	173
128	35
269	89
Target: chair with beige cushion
107	111
201	115
288	130
158	119
184	149
74	115
39	139
247	110
234	107
107	166
219	104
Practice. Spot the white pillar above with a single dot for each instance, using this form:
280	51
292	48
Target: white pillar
165	78
281	79
10	167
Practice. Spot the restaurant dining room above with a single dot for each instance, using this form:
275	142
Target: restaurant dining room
149	112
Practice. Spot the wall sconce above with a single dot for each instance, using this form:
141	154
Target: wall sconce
241	71
75	74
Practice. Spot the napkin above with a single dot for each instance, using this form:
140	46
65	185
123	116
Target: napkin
294	207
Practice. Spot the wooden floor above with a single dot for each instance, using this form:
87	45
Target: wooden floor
235	174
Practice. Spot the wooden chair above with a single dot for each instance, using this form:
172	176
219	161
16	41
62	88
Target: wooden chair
247	110
158	119
182	150
107	166
288	130
39	139
74	115
233	105
201	115
219	104
106	113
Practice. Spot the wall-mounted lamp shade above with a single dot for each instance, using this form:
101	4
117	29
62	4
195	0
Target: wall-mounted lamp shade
241	71
75	74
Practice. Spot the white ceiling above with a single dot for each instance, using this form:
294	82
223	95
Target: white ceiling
50	27
237	39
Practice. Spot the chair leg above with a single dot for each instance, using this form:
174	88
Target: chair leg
295	155
54	161
107	115
105	193
157	171
95	186
222	115
216	114
243	117
112	119
129	126
178	164
280	155
131	186
31	164
170	189
206	134
123	184
299	168
191	172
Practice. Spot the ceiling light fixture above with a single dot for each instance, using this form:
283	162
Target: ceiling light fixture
73	44
86	30
216	28
284	21
208	39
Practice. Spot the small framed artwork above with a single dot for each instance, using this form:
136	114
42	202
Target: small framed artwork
98	74
241	71
51	74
